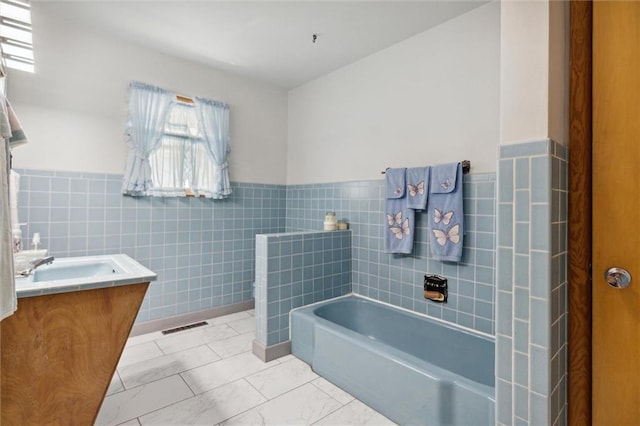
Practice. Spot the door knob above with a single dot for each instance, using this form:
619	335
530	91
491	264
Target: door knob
618	277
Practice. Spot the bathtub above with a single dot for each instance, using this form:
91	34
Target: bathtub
410	368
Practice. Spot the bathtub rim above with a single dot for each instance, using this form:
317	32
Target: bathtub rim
408	311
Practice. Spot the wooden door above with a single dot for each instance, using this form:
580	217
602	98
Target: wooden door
616	211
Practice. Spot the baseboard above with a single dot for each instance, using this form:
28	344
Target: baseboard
269	353
178	320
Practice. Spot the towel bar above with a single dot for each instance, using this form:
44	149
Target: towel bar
466	167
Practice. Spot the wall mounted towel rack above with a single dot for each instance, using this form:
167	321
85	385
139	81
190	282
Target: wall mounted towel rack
466	167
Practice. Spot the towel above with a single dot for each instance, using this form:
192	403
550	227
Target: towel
446	216
8	299
17	136
10	135
398	218
398	226
395	182
417	187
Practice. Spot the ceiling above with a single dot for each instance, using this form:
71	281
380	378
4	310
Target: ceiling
266	40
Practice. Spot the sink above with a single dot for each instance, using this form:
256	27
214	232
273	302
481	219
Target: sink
67	271
83	273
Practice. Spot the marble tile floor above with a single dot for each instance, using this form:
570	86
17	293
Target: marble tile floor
208	376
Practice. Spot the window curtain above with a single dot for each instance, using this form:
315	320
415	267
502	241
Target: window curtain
215	124
148	109
167	163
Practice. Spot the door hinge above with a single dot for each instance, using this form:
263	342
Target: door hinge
590	272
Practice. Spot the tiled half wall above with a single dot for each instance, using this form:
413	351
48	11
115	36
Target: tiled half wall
531	341
297	269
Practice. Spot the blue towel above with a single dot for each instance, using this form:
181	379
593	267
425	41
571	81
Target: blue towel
395	182
417	187
398	226
398	218
446	216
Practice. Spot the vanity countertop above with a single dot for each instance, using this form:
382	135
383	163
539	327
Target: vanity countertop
83	273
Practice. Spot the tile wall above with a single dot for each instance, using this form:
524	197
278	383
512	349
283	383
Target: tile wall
297	269
531	309
398	279
202	250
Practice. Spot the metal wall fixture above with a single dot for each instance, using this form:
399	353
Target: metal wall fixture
466	167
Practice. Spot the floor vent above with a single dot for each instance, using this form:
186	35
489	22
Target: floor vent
185	327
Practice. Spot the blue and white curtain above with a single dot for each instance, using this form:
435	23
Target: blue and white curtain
176	146
214	117
148	110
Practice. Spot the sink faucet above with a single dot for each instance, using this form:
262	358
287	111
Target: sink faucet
35	264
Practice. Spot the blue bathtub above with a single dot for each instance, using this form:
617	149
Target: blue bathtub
410	368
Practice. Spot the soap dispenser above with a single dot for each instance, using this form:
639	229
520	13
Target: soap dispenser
16	233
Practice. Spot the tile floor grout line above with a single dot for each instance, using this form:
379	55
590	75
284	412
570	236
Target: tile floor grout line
248	409
160	378
328	414
121	381
161	356
144	360
185	382
327	393
159	408
272	399
165	406
205	343
222	359
156	380
214	351
257	390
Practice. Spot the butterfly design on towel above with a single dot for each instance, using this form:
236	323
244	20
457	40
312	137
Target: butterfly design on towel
416	189
445	218
453	235
394	219
446	184
400	231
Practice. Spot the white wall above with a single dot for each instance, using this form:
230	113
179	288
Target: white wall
559	73
74	108
534	57
430	99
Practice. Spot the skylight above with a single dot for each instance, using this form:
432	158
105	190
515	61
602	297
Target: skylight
15	34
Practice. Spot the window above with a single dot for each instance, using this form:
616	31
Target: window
15	34
179	146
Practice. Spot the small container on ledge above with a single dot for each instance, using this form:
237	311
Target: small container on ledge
330	221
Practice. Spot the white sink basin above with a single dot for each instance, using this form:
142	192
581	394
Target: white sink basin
72	270
82	273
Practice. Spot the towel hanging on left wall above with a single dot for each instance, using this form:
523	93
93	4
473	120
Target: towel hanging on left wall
8	121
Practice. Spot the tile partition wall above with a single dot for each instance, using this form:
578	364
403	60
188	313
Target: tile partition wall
531	309
202	250
297	269
398	279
